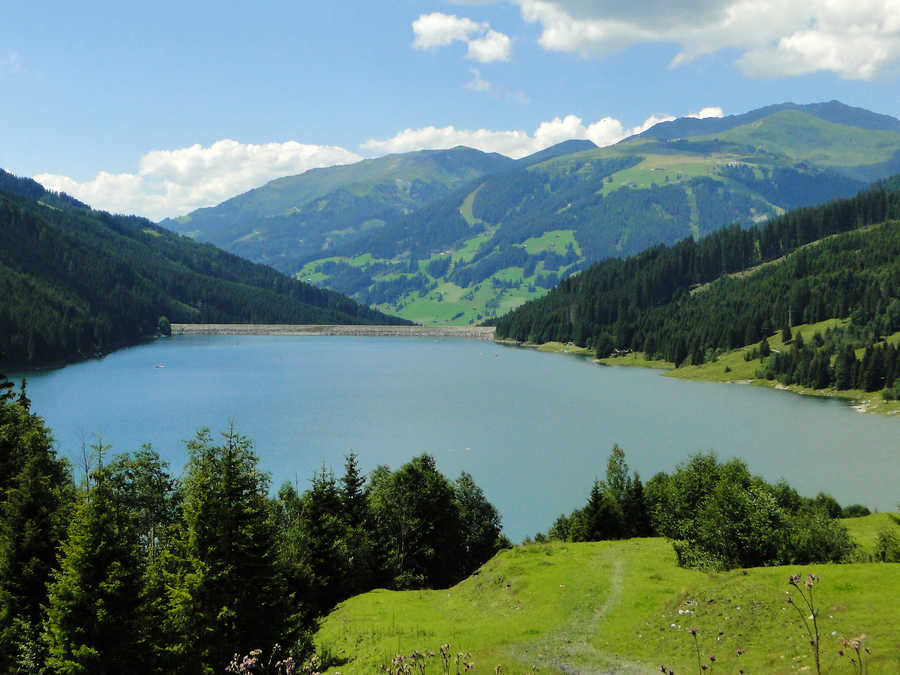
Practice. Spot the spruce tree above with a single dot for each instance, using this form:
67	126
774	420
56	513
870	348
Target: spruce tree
36	498
323	551
94	614
361	565
226	595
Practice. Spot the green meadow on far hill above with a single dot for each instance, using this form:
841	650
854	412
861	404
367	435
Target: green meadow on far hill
625	607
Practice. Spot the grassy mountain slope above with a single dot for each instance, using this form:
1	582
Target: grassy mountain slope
292	218
624	607
76	282
831	111
507	238
459	236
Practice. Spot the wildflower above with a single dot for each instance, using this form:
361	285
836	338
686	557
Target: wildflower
694	632
739	651
712	658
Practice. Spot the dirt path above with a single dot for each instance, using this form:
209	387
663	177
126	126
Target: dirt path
572	650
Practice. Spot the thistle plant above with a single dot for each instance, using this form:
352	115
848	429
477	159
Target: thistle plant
703	665
855	645
416	663
810	623
254	664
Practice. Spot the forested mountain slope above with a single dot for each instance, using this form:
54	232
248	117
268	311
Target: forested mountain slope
77	282
509	236
735	287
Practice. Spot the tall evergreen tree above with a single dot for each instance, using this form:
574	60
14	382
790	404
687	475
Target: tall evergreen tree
323	551
94	611
352	492
36	498
226	597
361	566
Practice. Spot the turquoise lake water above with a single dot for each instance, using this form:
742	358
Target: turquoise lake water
533	429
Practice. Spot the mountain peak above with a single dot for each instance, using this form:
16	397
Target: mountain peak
833	111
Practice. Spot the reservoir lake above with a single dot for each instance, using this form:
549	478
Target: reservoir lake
533	429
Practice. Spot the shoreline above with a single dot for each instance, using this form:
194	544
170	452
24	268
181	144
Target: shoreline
470	332
866	405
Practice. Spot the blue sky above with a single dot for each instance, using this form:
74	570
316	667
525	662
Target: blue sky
159	108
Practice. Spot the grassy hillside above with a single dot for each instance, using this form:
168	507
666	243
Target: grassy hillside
78	282
292	218
442	237
614	201
625	607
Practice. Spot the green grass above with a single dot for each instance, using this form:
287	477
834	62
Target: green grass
731	367
441	305
865	530
552	240
465	209
658	168
638	360
620	607
803	137
468	251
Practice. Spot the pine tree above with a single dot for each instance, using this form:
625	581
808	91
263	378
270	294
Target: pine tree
845	368
602	515
352	494
225	596
361	566
36	498
323	552
94	613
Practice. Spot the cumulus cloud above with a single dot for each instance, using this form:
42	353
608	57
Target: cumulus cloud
439	30
174	182
856	39
493	46
710	111
517	143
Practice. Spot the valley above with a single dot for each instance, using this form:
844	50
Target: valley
491	234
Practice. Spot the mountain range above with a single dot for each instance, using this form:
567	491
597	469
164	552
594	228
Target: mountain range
458	236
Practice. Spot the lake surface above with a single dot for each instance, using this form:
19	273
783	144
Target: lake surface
533	429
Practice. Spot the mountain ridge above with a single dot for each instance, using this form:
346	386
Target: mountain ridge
489	242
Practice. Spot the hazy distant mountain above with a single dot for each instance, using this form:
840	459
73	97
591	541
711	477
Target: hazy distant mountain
77	282
511	232
290	219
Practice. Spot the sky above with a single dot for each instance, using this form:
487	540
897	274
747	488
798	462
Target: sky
164	107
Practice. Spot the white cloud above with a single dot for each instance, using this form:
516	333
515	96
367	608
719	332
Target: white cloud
517	143
439	30
174	182
492	47
710	111
857	39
